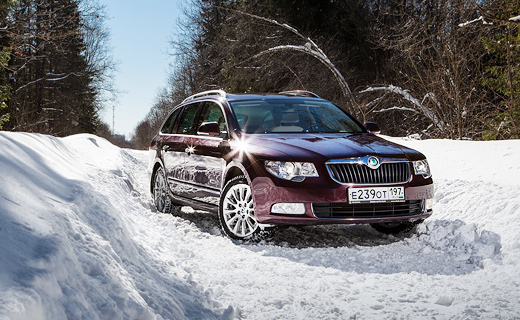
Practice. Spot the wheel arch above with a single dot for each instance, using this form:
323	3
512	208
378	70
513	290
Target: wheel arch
234	170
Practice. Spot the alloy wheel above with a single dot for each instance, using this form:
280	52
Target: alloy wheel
238	211
160	192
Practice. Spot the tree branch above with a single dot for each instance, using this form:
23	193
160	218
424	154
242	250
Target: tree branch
407	96
310	48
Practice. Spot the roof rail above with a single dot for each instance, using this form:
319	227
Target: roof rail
301	93
221	93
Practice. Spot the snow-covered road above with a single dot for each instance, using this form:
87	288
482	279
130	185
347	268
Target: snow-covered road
79	240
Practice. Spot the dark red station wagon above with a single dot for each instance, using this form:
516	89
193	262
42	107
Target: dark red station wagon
262	161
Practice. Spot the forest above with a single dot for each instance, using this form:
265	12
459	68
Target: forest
56	66
431	68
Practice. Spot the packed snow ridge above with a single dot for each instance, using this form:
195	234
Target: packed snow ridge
79	239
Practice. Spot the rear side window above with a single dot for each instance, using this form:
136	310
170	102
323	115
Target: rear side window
186	124
167	128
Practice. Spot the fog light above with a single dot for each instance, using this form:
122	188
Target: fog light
428	204
288	208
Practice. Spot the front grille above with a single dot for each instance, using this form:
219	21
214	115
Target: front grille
393	172
368	210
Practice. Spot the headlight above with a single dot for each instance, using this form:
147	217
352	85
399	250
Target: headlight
296	171
421	167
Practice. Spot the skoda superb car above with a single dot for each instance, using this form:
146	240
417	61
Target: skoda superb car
261	161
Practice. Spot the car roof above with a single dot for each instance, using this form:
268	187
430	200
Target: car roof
220	94
264	96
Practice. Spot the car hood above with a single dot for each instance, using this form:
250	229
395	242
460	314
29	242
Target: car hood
324	147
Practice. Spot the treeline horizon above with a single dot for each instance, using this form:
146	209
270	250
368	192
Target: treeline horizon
434	68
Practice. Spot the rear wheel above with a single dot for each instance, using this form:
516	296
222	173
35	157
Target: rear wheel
161	197
395	227
237	212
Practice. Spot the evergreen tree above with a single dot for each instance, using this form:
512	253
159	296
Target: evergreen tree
52	92
503	68
5	51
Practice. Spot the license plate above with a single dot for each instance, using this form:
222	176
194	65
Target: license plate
379	194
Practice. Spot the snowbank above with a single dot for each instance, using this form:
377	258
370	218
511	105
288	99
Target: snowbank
78	240
70	222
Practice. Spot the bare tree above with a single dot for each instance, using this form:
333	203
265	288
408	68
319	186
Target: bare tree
98	52
438	63
310	47
150	125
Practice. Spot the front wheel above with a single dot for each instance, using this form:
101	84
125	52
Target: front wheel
237	212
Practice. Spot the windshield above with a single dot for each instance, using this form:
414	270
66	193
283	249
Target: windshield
292	116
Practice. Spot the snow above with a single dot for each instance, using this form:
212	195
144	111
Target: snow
481	18
80	240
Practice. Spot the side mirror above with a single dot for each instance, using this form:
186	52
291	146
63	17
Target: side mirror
209	129
372	127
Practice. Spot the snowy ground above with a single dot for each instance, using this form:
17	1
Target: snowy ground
78	240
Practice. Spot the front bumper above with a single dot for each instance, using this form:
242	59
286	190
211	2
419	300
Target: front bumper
334	199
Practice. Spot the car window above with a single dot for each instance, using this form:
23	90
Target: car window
213	113
168	124
186	124
293	116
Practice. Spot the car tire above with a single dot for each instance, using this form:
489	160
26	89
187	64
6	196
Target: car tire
237	213
160	196
395	227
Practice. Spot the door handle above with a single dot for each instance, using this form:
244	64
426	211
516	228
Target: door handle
189	150
166	147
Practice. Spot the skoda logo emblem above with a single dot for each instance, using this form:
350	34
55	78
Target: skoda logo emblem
373	162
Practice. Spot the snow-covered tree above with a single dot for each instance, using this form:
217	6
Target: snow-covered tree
503	71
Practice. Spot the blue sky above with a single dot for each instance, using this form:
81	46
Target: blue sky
140	31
